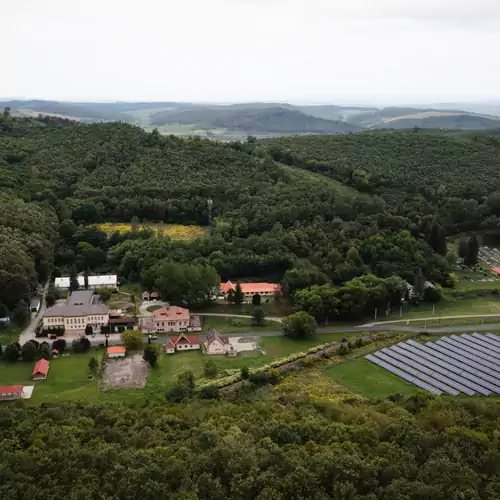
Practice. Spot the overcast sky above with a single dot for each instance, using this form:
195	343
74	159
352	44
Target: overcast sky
358	51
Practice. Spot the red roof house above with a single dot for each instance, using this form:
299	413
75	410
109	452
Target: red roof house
496	270
41	369
250	289
11	391
182	343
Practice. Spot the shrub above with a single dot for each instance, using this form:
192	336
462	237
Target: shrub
12	352
209	393
245	373
177	393
150	355
259	378
29	351
59	344
210	369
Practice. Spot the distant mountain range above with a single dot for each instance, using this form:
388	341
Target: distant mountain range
236	121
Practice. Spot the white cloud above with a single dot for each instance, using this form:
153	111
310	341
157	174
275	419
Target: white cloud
226	50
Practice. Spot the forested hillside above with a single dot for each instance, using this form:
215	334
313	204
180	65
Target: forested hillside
286	447
271	221
272	119
417	173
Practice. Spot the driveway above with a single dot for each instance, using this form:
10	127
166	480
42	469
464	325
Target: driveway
143	308
29	331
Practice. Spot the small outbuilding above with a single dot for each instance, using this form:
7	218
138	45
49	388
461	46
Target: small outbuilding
41	369
11	392
154	296
145	296
116	351
34	305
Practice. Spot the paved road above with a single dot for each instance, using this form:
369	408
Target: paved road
29	331
268	318
433	318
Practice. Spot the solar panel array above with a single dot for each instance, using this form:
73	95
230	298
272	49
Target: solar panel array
458	364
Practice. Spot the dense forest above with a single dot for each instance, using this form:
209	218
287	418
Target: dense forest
286	446
304	211
417	173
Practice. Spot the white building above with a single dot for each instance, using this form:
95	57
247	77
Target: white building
102	281
79	310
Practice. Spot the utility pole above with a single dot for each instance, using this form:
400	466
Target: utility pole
210	205
375	316
401	311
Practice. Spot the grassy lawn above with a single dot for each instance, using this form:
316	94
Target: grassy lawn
273	308
132	289
281	346
153	308
10	334
363	377
450	307
237	325
122	301
67	379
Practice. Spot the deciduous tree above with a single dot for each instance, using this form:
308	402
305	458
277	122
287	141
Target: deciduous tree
299	325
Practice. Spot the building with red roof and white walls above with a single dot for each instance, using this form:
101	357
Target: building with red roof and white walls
251	289
182	342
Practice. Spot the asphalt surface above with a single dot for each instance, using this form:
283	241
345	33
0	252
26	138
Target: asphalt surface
29	332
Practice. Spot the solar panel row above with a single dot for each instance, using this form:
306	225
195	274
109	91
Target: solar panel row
465	363
418	374
404	375
436	370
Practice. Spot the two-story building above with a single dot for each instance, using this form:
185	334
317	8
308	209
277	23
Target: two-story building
171	319
79	310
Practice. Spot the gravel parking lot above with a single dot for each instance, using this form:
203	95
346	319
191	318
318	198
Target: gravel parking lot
126	372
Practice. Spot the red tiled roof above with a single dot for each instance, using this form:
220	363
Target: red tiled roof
42	367
496	270
185	339
170	345
171	313
54	351
11	389
116	349
251	287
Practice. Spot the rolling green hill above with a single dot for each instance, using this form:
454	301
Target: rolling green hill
451	122
261	119
421	173
268	120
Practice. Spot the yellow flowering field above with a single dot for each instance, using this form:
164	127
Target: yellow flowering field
174	231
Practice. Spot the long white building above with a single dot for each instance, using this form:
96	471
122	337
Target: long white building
101	281
79	310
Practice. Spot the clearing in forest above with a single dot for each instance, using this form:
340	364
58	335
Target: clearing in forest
174	231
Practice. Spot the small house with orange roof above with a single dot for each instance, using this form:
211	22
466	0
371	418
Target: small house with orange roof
182	342
116	351
251	289
41	369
